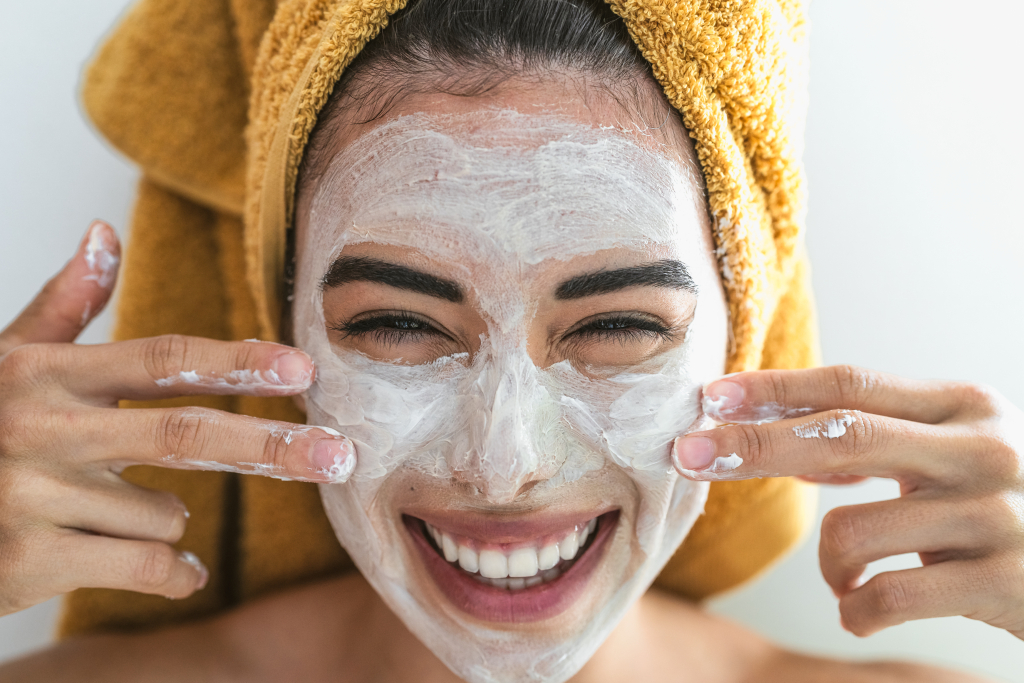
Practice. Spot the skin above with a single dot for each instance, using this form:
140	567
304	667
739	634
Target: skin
341	628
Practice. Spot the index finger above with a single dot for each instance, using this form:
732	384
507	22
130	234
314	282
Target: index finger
834	442
765	395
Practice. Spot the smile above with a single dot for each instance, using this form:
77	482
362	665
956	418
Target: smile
511	572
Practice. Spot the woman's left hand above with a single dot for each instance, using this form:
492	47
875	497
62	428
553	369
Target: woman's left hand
956	449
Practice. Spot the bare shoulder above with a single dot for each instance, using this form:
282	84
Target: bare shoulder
795	668
733	653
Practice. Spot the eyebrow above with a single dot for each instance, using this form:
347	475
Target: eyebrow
667	273
362	269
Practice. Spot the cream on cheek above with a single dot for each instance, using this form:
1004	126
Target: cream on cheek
514	192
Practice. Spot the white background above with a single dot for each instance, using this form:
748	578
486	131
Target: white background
914	156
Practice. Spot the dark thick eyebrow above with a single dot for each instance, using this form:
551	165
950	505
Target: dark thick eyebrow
359	268
670	274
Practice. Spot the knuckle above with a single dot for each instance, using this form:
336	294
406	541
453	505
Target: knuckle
154	567
24	365
853	383
276	448
18	426
181	432
777	387
980	397
842	532
20	551
21	493
997	458
861	434
892	596
167	355
756	443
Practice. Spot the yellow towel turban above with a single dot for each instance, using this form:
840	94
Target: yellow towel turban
216	99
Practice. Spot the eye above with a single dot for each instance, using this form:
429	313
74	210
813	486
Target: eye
389	328
623	328
619	339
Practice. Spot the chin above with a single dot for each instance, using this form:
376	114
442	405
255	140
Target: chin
521	592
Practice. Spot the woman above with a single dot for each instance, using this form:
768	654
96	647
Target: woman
507	281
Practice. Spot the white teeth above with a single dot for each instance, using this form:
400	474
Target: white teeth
468	559
493	564
520	568
518	584
569	546
548	557
451	550
523	562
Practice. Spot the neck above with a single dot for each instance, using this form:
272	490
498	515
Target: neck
654	634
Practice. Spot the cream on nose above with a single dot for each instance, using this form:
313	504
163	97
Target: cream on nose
513	429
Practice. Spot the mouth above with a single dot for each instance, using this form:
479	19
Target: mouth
509	571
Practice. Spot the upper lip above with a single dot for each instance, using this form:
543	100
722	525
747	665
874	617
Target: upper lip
505	527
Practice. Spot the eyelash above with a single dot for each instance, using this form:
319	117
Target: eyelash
387	328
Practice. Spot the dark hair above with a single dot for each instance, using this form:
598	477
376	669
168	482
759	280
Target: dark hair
468	47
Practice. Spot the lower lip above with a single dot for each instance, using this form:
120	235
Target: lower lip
489	603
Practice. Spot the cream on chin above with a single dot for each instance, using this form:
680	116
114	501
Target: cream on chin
500	198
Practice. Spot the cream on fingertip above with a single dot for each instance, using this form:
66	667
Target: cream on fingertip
101	255
334	458
193	561
694	457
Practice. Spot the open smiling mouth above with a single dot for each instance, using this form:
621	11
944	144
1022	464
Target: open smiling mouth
512	580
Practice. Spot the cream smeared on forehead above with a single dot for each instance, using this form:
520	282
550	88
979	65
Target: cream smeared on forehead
538	187
493	195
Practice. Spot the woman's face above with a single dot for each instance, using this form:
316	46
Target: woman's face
512	304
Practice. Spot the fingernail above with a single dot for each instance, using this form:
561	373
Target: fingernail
721	397
101	256
693	452
293	369
193	561
335	458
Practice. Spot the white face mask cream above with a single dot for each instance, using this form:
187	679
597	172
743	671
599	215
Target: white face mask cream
509	514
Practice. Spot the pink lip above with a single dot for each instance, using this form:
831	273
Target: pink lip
489	603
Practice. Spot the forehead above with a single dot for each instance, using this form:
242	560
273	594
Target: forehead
505	185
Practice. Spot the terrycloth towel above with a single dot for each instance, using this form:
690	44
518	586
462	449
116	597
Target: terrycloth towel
215	100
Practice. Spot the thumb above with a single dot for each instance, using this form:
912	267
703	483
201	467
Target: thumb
73	297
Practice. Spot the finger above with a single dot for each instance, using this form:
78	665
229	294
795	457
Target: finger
122	510
939	590
832	479
778	394
71	298
87	561
105	505
203	439
851	444
854	536
835	442
171	365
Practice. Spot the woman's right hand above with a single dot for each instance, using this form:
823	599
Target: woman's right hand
67	519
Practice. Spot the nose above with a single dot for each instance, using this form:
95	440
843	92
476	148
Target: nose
514	429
